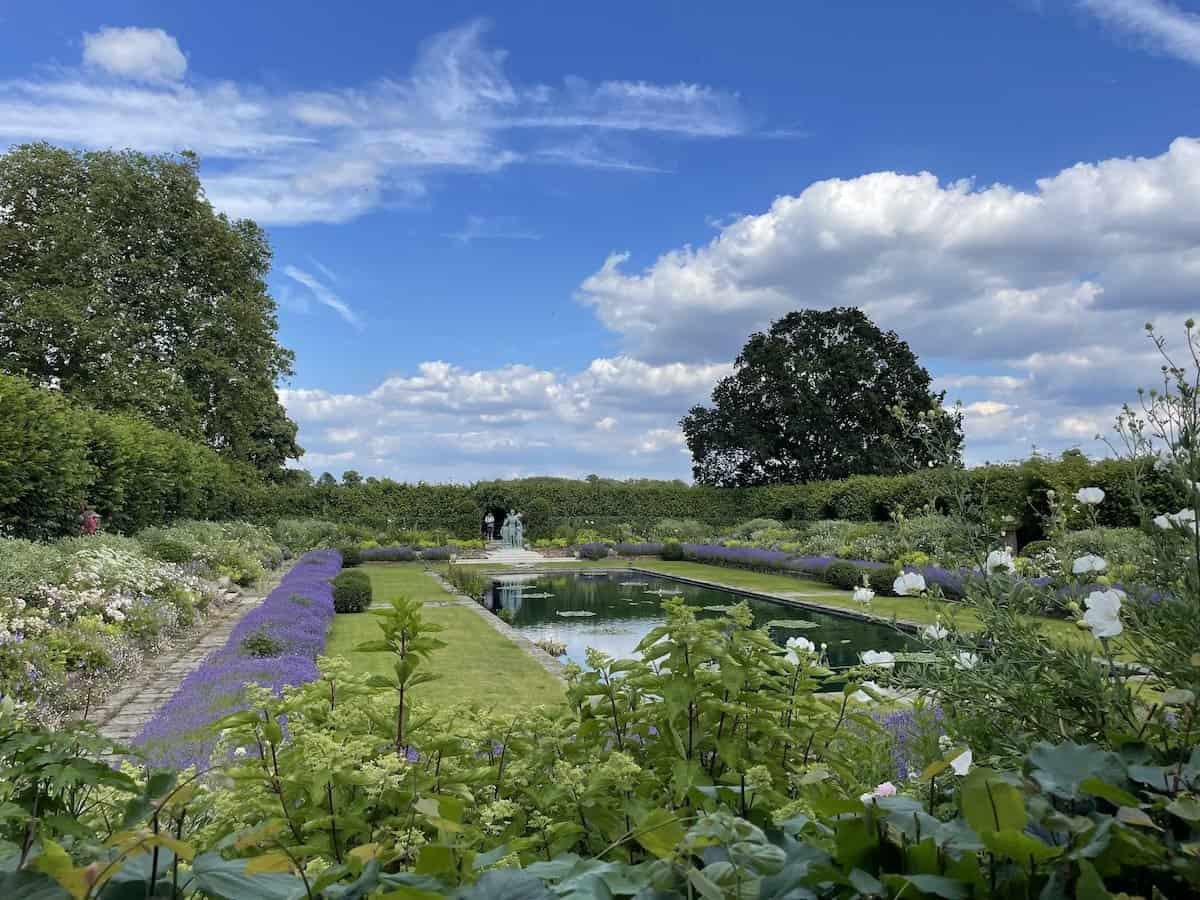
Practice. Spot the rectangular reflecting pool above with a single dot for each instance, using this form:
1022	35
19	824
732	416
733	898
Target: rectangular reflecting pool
613	611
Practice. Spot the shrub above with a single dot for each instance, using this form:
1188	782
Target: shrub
351	556
680	530
168	549
351	592
432	554
261	645
1033	548
844	574
881	580
639	549
388	554
299	535
672	551
593	551
746	530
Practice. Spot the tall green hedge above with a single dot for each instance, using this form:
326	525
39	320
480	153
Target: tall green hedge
1013	493
56	457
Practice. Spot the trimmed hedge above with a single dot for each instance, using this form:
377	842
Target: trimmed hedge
351	591
672	551
56	458
1015	495
845	575
593	551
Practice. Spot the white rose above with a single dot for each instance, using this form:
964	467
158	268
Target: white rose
1089	564
1103	614
878	658
1090	496
909	583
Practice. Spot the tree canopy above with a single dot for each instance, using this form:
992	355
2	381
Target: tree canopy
813	398
121	286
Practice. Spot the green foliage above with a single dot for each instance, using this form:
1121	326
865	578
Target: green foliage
882	579
351	591
845	575
260	644
594	551
672	551
708	767
351	555
186	337
468	581
301	535
56	458
811	399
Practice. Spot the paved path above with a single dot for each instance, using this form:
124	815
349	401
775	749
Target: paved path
123	715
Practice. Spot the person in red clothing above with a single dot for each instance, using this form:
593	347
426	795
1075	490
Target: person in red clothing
89	521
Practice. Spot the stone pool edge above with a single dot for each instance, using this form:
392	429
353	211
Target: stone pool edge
528	647
906	625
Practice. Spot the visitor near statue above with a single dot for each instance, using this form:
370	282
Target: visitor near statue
489	526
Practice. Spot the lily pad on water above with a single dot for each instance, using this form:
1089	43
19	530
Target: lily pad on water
535	596
717	607
663	593
797	624
633	583
570	613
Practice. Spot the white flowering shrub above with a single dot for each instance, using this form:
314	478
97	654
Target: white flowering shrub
80	614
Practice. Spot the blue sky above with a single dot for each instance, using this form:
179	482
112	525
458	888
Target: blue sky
519	240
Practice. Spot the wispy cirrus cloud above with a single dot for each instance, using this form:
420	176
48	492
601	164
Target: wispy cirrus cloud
323	294
1157	25
329	156
492	228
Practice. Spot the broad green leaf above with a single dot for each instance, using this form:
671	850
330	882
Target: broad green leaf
660	832
1018	846
435	860
1094	787
275	861
989	803
507	884
227	879
934	885
1186	808
1090	885
866	883
1131	815
1060	768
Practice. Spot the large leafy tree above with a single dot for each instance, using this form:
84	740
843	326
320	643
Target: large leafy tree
813	398
120	285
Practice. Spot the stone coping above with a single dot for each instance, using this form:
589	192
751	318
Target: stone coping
541	657
860	615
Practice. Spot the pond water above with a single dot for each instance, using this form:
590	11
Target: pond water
624	606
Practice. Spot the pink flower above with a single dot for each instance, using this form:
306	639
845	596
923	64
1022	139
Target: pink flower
887	789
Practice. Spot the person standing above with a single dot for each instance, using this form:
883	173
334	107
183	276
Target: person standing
489	526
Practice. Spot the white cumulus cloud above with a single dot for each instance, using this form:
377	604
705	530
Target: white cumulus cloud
148	54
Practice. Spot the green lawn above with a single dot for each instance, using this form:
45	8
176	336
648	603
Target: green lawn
477	665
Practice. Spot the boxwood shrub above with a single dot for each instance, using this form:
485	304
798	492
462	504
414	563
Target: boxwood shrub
845	575
351	556
351	591
672	551
593	551
881	580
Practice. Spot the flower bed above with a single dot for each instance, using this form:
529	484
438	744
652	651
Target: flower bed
648	549
387	554
79	615
292	623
